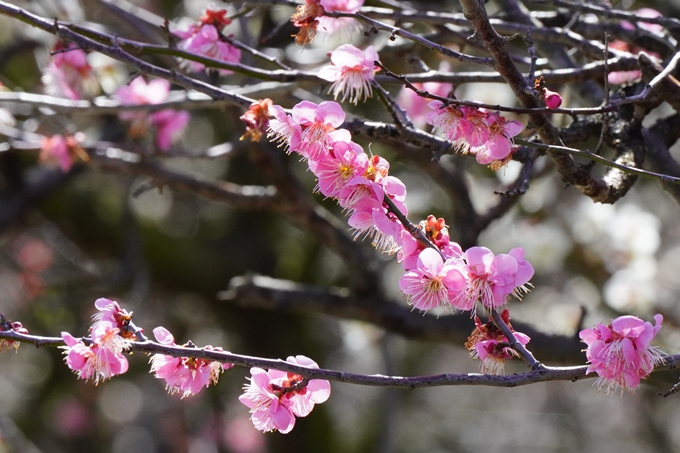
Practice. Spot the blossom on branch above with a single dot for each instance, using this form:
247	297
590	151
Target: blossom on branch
111	312
351	72
488	344
69	74
187	375
276	397
62	151
205	39
318	128
437	232
169	124
102	358
498	146
620	352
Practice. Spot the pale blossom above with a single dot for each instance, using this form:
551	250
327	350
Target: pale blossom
449	120
70	75
432	282
351	72
620	352
282	129
206	41
184	374
276	397
345	25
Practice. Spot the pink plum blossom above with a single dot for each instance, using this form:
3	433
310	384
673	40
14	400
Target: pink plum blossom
432	282
100	360
345	161
70	75
351	72
450	120
184	374
169	124
620	352
206	41
55	149
498	146
492	278
319	125
276	397
283	130
111	312
488	344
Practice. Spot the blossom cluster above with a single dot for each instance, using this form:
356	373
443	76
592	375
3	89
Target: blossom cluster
437	271
274	397
69	74
101	358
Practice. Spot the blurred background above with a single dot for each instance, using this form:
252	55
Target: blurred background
168	255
